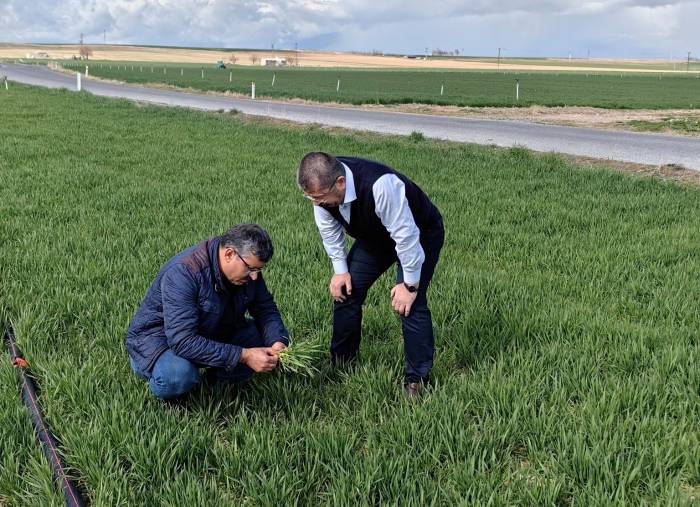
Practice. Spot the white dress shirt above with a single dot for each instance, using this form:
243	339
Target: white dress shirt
391	206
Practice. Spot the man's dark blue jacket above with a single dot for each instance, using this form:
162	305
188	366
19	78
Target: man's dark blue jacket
191	309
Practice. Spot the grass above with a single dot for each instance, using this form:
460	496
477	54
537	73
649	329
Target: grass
459	88
565	311
683	125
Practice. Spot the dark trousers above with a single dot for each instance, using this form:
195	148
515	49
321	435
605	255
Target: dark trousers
366	263
173	375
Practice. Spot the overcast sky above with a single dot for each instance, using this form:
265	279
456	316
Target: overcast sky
605	28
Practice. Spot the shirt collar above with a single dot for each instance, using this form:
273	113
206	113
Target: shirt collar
350	194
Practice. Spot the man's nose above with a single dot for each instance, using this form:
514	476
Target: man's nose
254	275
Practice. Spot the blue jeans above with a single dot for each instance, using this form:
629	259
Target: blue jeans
173	375
366	263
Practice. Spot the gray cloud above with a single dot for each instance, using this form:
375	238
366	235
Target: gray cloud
646	28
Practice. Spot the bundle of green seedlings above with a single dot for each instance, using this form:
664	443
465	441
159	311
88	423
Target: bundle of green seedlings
300	358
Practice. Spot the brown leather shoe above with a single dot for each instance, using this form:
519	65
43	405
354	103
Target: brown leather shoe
412	390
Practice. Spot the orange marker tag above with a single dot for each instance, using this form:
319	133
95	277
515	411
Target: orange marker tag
20	363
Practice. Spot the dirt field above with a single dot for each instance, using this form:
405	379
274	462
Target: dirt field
305	58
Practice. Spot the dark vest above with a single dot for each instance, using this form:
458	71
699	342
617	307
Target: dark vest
364	222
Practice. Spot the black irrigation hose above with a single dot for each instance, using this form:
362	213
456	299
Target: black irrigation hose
48	442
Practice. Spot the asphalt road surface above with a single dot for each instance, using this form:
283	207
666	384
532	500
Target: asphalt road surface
655	149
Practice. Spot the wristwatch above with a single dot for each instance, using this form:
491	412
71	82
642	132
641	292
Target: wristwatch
410	288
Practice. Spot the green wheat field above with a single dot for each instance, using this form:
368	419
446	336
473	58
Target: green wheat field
565	305
614	90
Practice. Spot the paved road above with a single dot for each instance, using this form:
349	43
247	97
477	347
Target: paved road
625	146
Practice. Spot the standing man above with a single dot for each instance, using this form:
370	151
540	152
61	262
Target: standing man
193	315
392	220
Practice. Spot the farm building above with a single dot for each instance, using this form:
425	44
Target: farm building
274	62
38	54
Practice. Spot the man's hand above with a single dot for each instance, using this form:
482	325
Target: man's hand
402	299
278	347
337	284
259	359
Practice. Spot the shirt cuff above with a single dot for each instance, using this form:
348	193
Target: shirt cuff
411	277
340	266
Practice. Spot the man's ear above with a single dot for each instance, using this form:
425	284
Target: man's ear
228	254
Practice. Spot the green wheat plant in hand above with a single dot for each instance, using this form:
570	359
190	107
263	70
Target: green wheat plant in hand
299	358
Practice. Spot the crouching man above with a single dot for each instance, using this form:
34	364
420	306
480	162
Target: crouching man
194	315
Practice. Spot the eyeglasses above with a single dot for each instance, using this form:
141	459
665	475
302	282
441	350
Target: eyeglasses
321	199
248	266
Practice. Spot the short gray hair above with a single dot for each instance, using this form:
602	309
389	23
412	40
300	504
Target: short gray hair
319	169
248	239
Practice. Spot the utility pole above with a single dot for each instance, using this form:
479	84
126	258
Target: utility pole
499	58
81	38
687	68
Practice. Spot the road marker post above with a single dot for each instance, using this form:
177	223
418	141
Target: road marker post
252	90
86	71
517	90
78	82
273	80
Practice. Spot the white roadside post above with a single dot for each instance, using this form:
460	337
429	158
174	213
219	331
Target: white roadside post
4	78
252	90
78	83
86	71
517	90
273	80
442	89
230	77
337	87
181	72
202	73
